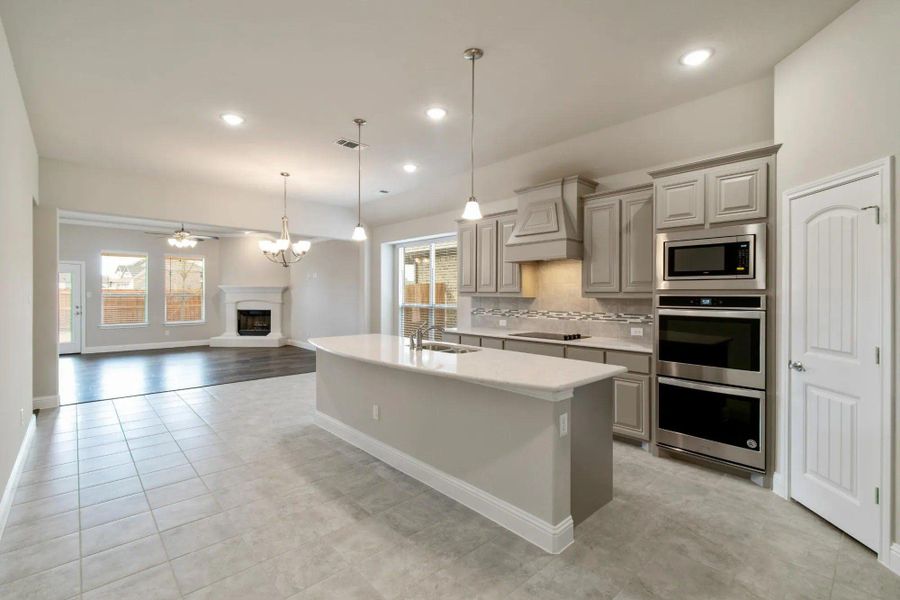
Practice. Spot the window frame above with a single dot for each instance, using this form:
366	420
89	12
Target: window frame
133	253
400	249
166	321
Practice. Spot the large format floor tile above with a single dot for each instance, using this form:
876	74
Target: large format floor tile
231	492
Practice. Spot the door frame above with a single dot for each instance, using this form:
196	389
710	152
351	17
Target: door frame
80	265
884	169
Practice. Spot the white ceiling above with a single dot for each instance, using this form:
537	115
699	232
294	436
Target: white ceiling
140	84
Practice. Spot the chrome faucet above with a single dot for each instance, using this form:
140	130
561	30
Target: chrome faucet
415	338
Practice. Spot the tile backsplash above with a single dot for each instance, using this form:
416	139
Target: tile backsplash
559	307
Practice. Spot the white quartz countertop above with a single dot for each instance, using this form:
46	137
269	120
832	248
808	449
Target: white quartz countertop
591	342
545	377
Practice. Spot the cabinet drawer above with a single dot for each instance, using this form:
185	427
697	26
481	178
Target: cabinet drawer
451	338
588	354
470	340
535	348
637	363
494	343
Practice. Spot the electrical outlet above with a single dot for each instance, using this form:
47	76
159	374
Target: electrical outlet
564	424
376	412
502	322
637	331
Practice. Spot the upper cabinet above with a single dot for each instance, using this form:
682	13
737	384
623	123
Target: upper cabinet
466	257
618	242
483	270
735	187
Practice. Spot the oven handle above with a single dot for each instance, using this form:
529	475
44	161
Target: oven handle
718	389
754	313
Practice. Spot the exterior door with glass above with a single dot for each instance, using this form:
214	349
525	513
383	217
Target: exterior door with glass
69	307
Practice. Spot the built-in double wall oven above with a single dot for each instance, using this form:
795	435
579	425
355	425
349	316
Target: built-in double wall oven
711	376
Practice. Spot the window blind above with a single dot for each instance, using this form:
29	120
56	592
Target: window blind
428	284
185	287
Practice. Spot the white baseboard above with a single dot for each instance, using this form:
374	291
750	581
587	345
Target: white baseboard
893	561
45	402
13	482
147	346
301	344
779	485
550	538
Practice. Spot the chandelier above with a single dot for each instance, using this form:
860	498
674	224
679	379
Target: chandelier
282	251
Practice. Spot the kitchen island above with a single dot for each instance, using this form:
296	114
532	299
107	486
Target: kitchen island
525	440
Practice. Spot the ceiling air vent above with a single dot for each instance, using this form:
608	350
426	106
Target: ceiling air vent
349	144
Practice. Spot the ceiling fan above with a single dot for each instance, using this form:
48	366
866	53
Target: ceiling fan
182	238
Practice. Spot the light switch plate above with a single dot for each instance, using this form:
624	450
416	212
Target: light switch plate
376	412
637	331
564	424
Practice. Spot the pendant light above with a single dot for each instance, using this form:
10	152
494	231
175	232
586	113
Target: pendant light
359	232
472	211
282	251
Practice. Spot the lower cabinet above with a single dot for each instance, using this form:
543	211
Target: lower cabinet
495	343
631	405
535	348
470	340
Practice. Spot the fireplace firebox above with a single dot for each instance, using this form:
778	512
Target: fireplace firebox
254	322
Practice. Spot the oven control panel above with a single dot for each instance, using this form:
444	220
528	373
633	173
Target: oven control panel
750	302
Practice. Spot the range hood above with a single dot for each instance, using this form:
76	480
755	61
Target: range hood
549	221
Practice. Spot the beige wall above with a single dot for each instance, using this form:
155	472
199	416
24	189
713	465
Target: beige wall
83	244
18	189
325	294
617	156
837	106
46	350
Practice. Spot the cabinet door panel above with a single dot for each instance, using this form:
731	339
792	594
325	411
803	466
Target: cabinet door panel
486	250
637	244
631	405
509	274
470	340
466	256
739	191
535	348
451	337
600	267
679	200
495	343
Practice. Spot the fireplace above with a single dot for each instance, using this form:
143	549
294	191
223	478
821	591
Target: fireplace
254	322
253	317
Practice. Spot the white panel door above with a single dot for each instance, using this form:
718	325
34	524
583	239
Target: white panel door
835	335
69	308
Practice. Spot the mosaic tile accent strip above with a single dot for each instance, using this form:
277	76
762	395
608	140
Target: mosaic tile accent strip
563	315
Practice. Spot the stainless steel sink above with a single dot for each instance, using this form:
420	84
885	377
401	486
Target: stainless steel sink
448	348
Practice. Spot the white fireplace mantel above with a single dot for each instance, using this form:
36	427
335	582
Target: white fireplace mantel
251	297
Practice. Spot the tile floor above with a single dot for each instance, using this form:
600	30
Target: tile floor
231	492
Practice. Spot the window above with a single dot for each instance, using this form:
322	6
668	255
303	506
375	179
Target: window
428	284
123	289
185	289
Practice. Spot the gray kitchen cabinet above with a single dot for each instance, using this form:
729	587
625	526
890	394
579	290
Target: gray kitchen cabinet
737	192
588	354
680	200
633	361
486	251
470	340
466	257
631	405
637	243
509	278
721	189
618	242
557	350
483	270
452	338
495	343
600	266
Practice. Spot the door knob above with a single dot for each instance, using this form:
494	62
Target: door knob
796	365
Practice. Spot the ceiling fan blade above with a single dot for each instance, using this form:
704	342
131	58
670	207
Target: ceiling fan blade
203	238
158	234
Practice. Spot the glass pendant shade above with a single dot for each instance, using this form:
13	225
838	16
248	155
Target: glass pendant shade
359	234
301	247
472	211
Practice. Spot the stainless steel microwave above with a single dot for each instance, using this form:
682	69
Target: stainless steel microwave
725	258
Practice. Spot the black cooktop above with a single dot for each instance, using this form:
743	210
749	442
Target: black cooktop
564	337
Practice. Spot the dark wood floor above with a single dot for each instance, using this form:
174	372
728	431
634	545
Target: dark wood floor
90	377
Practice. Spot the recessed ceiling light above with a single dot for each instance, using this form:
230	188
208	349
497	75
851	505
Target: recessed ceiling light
232	119
695	58
410	168
436	113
